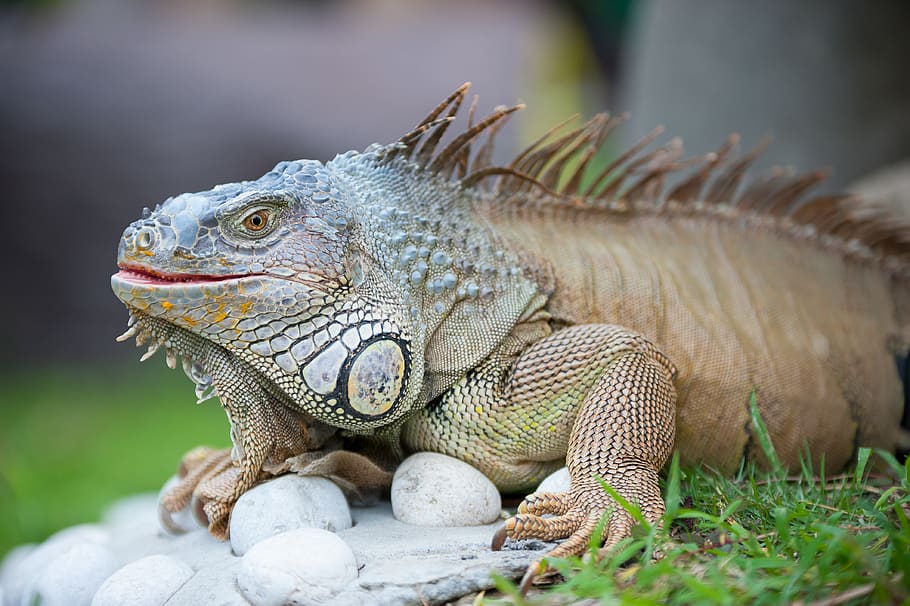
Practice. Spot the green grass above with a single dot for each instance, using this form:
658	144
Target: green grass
757	538
72	442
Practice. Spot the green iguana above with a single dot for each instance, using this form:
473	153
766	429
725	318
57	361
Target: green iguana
524	317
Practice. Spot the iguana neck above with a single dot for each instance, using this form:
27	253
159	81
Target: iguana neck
462	289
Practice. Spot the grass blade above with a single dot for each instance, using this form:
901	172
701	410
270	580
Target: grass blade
764	439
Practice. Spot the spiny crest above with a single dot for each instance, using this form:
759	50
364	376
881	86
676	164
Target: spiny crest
556	171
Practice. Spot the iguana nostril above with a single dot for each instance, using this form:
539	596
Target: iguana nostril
145	239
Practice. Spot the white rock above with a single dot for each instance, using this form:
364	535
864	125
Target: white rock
431	489
212	586
198	549
130	511
287	503
179	522
71	578
10	568
134	528
149	581
302	567
558	481
19	571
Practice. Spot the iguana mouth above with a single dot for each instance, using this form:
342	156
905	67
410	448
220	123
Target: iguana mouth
146	275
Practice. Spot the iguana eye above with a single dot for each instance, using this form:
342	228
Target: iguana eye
257	221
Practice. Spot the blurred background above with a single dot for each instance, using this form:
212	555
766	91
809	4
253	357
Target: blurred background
107	106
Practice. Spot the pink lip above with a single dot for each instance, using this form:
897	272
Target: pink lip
141	275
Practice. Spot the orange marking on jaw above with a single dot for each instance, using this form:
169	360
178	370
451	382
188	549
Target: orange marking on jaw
189	320
245	306
167	305
220	314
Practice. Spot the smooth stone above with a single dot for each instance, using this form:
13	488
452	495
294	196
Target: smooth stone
398	563
212	586
303	567
149	581
180	521
134	529
140	540
401	564
71	578
10	567
199	549
135	510
287	503
356	598
431	489
558	481
19	571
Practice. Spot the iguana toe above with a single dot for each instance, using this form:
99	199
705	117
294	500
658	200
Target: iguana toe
214	499
575	515
539	503
202	472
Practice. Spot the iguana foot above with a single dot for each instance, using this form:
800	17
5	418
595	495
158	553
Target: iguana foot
574	515
210	482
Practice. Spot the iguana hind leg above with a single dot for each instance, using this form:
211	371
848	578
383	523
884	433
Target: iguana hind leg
600	395
623	434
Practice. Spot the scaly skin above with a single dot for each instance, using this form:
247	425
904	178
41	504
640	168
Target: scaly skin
385	303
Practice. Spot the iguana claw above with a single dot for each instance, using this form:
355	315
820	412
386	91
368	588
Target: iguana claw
499	538
574	515
206	477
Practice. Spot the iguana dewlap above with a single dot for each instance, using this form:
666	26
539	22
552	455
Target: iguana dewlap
523	317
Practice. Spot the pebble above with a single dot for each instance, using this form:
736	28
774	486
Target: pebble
303	567
149	581
10	569
558	481
396	562
287	503
71	578
24	564
431	489
198	549
212	586
136	510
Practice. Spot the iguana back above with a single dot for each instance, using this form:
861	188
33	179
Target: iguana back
739	307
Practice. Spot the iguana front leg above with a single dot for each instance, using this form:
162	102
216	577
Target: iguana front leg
600	395
265	434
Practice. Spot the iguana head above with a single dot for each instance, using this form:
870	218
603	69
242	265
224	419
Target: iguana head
270	271
354	291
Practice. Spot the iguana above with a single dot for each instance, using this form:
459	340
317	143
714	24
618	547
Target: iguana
522	317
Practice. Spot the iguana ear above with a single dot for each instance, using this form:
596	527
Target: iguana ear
363	376
376	377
